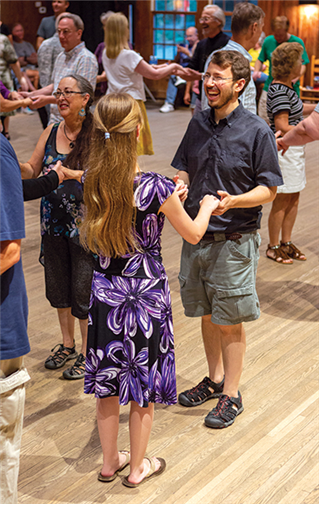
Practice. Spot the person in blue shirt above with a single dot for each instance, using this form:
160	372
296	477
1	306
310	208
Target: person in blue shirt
47	27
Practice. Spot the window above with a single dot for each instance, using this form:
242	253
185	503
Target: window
171	18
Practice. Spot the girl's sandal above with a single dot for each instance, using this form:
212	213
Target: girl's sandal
105	478
76	371
292	251
279	256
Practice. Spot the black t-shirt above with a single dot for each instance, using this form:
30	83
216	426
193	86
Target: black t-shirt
4	30
204	49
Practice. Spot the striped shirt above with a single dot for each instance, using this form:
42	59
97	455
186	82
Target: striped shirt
282	98
77	61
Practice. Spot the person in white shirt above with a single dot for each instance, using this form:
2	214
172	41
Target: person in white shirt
125	70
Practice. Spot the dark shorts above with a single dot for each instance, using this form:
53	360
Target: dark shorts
219	278
68	274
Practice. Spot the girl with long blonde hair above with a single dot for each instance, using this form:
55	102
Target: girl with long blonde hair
125	70
130	352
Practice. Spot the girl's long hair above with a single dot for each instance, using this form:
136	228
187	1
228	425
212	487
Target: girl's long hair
108	227
116	34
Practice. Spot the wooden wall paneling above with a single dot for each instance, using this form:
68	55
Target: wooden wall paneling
304	23
26	13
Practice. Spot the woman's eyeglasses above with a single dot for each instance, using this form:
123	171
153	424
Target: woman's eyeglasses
66	94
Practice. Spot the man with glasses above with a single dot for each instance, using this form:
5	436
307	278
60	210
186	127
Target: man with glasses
246	27
231	153
74	59
212	22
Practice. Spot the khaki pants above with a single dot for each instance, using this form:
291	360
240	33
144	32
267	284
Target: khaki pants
12	397
262	107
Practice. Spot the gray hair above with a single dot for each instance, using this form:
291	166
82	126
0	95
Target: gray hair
84	86
105	15
77	21
218	13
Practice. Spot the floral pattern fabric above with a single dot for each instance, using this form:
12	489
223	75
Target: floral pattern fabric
130	350
62	210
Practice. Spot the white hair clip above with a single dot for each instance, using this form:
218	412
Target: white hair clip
107	135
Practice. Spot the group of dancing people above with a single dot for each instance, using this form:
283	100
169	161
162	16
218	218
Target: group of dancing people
101	238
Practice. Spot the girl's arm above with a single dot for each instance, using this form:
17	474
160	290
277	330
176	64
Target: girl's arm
191	230
281	122
143	68
32	168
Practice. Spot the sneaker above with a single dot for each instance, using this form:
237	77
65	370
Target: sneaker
224	414
60	357
205	390
179	81
167	107
26	110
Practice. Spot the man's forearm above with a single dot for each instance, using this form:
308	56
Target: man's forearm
257	196
47	91
258	66
304	132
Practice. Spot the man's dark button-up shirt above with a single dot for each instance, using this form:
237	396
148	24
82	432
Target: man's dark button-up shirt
236	155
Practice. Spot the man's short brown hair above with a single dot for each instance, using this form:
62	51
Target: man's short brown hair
240	66
280	23
244	15
284	59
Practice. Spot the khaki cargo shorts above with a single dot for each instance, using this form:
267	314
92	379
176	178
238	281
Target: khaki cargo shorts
218	277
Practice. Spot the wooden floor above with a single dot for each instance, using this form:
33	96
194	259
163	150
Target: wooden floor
270	454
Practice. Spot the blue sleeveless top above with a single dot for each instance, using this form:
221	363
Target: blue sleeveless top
62	210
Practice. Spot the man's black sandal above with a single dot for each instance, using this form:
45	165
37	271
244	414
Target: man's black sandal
224	414
60	357
76	371
199	394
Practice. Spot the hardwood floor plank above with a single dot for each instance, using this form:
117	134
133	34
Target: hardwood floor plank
269	455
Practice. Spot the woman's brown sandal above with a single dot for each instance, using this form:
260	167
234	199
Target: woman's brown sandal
76	371
292	251
280	256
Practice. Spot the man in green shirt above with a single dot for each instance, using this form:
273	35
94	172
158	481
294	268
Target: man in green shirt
280	26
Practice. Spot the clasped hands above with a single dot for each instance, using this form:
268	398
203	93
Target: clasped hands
225	203
65	173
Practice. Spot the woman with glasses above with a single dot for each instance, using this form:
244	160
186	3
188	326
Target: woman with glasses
68	268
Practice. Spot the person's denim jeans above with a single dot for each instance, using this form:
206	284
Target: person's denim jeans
171	90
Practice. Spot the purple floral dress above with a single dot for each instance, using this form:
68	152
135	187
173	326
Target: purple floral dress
130	350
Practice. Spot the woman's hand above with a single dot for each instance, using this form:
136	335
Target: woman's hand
59	169
181	188
72	174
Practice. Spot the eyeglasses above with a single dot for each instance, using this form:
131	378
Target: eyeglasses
216	78
206	19
66	94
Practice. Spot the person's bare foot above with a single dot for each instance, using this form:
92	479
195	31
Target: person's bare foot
277	254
